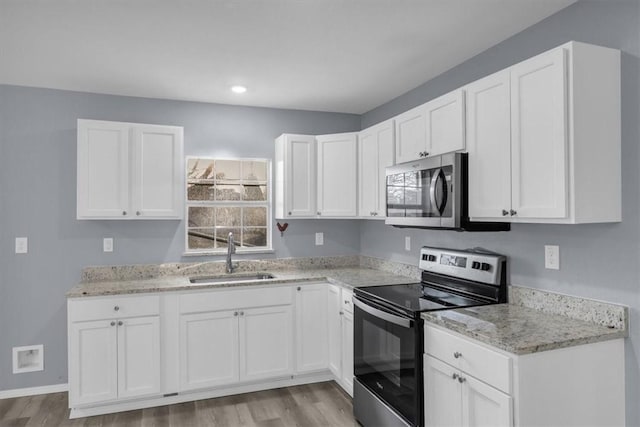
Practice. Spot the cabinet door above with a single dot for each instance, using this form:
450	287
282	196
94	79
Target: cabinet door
445	123
266	342
483	405
312	353
158	181
103	170
442	394
334	312
411	134
337	178
376	147
300	175
208	349
347	351
539	136
93	359
139	357
489	146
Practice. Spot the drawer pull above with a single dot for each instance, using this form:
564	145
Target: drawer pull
120	323
235	313
113	323
116	308
457	355
242	313
455	376
461	379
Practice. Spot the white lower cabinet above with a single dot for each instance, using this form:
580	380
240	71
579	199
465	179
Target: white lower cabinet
456	399
312	328
468	383
113	356
219	346
341	336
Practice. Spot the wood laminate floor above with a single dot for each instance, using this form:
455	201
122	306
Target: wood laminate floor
321	404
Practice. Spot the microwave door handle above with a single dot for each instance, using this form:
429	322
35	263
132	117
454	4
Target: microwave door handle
433	190
387	317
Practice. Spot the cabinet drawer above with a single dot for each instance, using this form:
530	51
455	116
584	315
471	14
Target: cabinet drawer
113	307
476	360
347	303
245	297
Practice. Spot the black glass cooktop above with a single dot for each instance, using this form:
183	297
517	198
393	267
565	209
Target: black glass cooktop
416	297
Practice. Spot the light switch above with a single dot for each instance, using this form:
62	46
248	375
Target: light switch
407	243
22	245
319	239
107	244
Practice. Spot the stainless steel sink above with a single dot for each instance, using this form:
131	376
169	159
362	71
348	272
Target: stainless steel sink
231	278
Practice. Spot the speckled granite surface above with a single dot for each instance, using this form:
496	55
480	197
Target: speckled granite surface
349	277
521	330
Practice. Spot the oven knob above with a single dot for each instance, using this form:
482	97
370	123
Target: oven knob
475	265
425	257
485	267
432	258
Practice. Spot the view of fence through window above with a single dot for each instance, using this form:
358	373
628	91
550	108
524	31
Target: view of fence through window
227	196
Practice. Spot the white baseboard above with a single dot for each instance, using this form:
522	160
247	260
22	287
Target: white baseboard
33	391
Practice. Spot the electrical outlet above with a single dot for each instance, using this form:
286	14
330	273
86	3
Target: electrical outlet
407	243
107	244
22	245
552	257
319	239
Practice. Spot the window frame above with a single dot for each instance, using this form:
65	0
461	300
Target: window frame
229	203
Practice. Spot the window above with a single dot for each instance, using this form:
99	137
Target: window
228	195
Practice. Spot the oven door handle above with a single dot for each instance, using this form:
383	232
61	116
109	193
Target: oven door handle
388	317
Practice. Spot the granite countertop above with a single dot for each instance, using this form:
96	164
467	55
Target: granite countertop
350	277
522	330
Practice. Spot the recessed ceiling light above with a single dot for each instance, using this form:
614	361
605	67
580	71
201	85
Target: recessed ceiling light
238	89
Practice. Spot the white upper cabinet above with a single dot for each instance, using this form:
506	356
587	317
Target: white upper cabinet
434	128
295	176
129	171
534	137
489	145
411	134
376	147
337	174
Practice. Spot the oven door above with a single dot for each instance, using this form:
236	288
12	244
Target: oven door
387	357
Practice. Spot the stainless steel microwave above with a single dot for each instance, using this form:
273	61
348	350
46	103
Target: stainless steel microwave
432	193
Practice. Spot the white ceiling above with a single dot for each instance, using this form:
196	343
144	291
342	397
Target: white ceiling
326	55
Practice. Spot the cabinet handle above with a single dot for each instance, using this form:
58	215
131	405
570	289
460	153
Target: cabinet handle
124	212
346	301
461	379
299	288
341	313
113	323
454	376
319	214
242	313
235	313
289	213
138	213
505	212
116	308
120	323
421	154
513	212
457	355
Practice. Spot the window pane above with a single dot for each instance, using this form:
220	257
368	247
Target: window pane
228	192
227	171
254	170
197	191
254	237
201	216
255	192
255	216
200	169
222	236
229	217
201	238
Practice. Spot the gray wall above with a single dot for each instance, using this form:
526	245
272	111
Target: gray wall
596	261
38	199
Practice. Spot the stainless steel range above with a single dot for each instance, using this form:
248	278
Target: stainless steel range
388	332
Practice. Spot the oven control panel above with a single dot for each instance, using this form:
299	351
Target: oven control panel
468	264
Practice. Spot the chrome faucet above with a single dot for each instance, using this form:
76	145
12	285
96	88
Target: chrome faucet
231	249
